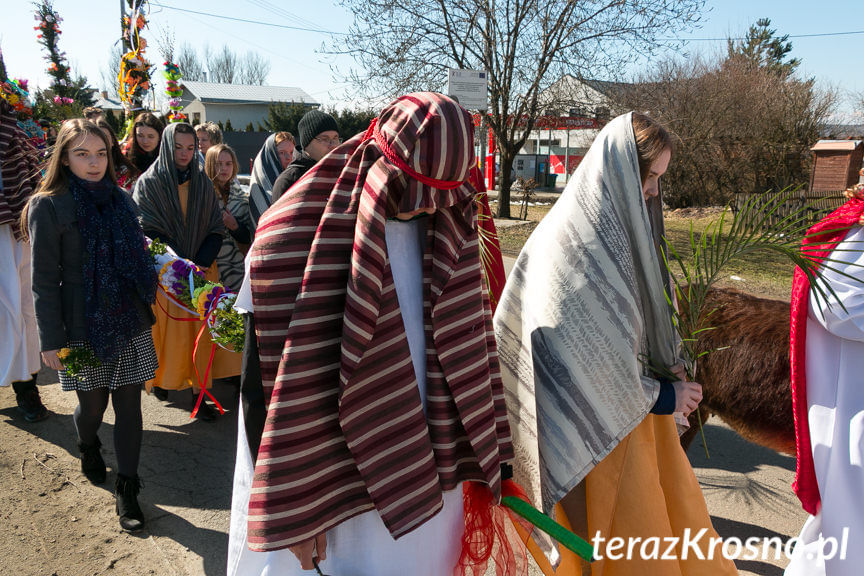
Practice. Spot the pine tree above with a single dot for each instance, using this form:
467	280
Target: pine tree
763	49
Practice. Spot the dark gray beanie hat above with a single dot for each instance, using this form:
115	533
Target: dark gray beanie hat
314	123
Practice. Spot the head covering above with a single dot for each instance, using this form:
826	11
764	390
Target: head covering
265	170
314	123
19	170
159	203
817	245
583	302
345	429
118	264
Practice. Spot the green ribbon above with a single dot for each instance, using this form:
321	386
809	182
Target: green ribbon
550	526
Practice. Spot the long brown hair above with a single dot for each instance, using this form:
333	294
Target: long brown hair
56	179
652	138
135	154
116	153
211	161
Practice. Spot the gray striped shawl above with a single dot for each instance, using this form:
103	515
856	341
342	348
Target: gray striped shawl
230	258
265	170
584	299
345	430
156	195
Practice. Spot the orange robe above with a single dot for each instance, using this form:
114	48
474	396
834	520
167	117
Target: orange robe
175	341
645	487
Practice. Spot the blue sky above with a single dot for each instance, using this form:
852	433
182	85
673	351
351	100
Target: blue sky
89	33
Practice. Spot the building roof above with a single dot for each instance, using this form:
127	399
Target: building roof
836	145
106	103
213	92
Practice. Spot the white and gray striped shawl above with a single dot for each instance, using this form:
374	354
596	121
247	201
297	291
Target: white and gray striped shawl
231	258
345	430
158	201
583	301
265	170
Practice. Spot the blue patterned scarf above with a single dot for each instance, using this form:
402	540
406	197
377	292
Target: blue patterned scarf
116	264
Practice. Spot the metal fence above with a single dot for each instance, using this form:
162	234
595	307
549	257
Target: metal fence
815	204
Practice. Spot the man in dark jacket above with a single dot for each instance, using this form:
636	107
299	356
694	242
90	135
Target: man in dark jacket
319	134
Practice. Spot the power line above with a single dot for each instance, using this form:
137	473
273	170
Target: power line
784	36
232	19
284	13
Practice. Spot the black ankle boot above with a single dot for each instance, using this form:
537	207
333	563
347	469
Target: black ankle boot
126	497
29	402
92	464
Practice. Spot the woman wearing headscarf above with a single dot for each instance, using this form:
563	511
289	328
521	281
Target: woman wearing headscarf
377	357
584	307
179	207
271	160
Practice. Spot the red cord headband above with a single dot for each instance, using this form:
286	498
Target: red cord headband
373	132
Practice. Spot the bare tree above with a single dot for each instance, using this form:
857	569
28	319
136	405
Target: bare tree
254	69
523	45
190	63
166	43
741	128
109	73
222	65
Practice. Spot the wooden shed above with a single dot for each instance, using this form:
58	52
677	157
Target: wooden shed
835	164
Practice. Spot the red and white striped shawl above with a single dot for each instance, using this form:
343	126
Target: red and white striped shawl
345	430
19	167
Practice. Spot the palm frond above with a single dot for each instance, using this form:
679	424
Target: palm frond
757	227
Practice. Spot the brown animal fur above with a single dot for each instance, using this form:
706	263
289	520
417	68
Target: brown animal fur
748	385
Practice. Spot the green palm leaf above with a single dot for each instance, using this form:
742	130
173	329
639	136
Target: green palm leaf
758	226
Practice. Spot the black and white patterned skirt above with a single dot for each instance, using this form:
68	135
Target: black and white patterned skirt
137	363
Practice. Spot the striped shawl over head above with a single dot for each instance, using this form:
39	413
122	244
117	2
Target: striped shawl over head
346	432
19	170
265	169
583	302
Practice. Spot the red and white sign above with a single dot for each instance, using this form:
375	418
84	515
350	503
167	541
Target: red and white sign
557	163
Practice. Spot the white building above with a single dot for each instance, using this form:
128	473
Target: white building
574	112
239	103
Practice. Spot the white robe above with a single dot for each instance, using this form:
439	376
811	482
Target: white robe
19	352
362	546
835	404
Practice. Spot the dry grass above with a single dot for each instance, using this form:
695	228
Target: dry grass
513	237
766	275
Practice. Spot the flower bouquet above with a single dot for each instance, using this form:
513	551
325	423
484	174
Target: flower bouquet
178	279
226	327
185	285
76	360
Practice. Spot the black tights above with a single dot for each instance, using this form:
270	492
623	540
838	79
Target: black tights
128	425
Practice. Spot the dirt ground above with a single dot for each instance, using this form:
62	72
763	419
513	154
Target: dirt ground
55	523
